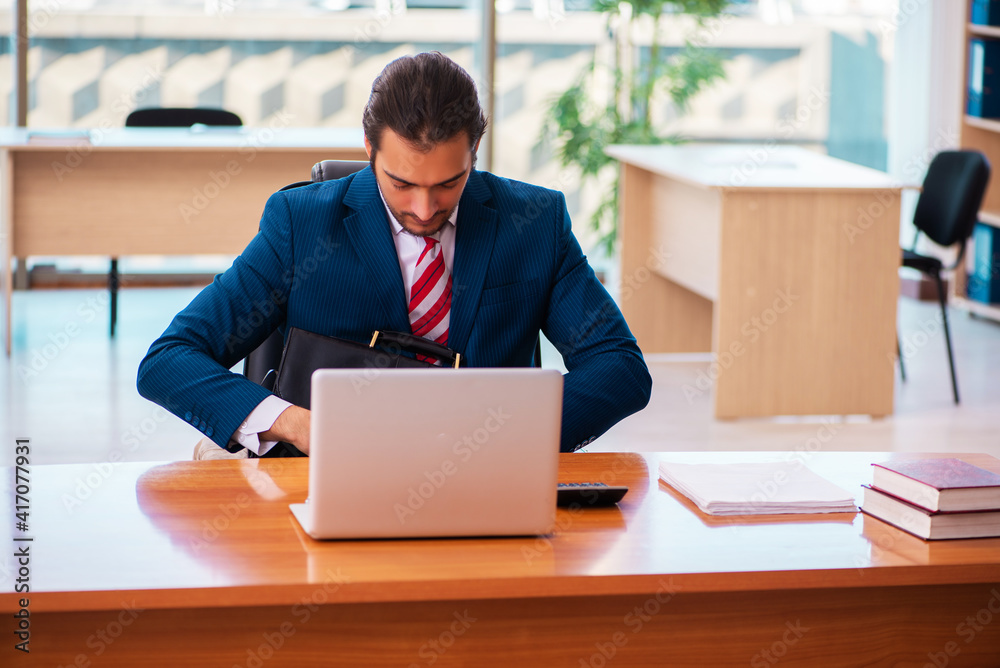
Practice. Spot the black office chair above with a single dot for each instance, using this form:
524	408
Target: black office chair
946	212
181	117
165	117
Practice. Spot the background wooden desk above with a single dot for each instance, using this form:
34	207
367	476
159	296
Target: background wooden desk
201	564
149	191
781	261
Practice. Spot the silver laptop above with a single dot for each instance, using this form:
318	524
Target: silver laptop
435	452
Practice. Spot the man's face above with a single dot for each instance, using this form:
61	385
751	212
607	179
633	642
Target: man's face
421	189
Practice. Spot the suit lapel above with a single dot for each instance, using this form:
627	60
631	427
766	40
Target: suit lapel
475	233
369	232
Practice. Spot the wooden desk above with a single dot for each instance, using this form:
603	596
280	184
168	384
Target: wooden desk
149	191
201	564
781	261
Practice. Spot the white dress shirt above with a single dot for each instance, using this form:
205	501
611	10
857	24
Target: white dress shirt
408	249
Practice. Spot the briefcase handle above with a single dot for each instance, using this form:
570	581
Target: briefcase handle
417	344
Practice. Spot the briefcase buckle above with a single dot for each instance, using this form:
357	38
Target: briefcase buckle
376	334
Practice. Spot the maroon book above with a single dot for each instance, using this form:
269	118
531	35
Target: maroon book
946	484
927	525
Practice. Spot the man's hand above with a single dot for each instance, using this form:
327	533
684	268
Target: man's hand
292	426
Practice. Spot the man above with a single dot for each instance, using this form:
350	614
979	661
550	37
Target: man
418	241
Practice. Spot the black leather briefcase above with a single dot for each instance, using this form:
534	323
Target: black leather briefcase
305	352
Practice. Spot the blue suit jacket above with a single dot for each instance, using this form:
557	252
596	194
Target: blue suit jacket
324	261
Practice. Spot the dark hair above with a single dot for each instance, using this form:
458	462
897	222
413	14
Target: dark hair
426	99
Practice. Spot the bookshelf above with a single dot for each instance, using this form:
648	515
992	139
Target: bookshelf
982	134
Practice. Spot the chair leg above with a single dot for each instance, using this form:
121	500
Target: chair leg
113	293
942	299
899	356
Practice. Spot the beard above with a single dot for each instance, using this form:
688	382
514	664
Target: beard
413	225
420	229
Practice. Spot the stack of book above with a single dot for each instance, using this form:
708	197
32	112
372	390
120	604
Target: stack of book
935	499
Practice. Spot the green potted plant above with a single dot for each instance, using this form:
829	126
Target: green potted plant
611	102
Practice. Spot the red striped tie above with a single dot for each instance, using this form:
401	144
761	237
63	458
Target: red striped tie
430	296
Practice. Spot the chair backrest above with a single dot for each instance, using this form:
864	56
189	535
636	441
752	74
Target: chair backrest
181	117
953	191
266	357
331	170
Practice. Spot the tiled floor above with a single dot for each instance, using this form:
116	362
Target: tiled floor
71	390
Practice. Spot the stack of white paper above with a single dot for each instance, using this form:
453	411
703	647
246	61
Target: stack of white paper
756	488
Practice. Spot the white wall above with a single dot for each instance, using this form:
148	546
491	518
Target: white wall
925	90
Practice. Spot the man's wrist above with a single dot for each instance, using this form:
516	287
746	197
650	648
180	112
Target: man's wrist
292	426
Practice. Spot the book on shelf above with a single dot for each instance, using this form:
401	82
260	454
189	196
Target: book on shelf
984	78
930	525
985	12
983	282
939	484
